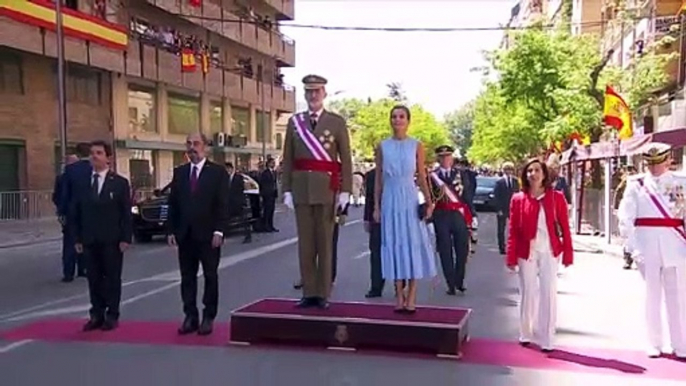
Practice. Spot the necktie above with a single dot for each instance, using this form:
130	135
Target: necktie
313	120
95	186
194	178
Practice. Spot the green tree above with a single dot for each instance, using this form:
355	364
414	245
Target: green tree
346	107
551	84
372	123
460	124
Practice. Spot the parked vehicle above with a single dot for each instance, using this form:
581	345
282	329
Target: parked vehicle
150	215
483	196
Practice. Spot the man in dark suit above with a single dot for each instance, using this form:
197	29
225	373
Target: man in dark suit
102	225
71	261
237	200
374	230
269	192
75	180
502	194
198	217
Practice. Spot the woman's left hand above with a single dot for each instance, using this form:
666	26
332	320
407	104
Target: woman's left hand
429	211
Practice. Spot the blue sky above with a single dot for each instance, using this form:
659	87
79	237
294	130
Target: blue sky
433	67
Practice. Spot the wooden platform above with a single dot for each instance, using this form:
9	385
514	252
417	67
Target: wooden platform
352	326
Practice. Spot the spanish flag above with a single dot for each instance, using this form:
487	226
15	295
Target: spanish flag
187	60
195	3
205	63
617	113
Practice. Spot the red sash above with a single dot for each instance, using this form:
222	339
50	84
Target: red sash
321	161
454	203
678	228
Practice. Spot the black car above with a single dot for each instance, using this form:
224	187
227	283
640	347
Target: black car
483	196
150	215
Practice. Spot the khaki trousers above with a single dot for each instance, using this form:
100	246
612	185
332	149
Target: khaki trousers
315	225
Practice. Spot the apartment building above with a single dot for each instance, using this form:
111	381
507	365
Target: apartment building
526	12
587	17
655	20
142	74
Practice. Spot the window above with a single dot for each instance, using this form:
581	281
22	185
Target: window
264	129
142	169
216	117
83	86
279	141
240	121
11	79
142	109
184	114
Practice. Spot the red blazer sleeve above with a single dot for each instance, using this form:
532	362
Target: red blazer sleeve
514	229
563	220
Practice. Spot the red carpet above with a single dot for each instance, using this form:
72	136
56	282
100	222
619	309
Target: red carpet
358	310
477	351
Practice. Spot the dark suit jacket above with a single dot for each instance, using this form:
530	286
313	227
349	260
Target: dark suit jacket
236	194
561	185
268	185
198	215
502	195
105	218
57	192
76	180
369	180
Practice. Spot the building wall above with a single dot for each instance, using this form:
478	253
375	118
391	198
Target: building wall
586	16
30	116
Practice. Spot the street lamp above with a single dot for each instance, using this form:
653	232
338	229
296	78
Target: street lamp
61	94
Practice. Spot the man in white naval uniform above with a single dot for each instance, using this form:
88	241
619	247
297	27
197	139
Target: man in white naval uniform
651	218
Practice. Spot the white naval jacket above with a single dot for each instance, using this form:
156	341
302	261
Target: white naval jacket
654	246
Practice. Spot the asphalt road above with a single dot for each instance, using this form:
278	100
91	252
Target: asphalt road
599	307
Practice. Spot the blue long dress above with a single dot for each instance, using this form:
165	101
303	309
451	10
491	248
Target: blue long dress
406	251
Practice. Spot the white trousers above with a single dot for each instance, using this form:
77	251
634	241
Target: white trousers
671	281
538	308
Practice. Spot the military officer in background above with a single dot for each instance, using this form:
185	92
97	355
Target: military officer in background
452	220
651	218
317	181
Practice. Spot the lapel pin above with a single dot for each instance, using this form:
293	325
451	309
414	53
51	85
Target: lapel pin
111	195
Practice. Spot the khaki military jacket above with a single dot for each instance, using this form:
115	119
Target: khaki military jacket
311	187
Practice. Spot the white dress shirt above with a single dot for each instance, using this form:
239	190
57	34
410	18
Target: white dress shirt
199	167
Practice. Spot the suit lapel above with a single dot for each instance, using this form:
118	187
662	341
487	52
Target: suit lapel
202	174
106	185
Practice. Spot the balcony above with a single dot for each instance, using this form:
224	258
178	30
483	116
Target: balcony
22	22
223	22
285	9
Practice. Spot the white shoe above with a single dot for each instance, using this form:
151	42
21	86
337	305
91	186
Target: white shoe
653	353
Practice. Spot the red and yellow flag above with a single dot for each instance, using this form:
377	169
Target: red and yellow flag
205	63
187	60
617	114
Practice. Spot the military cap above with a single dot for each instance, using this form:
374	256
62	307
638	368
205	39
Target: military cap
314	82
655	153
444	150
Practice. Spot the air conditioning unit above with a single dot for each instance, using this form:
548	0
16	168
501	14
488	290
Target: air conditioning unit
220	139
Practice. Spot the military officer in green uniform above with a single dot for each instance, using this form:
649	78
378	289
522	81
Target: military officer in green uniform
317	181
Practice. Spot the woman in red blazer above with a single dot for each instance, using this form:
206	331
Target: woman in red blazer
539	236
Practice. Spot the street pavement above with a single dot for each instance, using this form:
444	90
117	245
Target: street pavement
599	312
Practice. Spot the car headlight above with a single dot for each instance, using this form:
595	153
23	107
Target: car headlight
491	195
135	210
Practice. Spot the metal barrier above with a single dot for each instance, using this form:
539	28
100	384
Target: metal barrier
593	212
26	205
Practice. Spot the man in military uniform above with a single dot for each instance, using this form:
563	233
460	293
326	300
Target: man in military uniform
317	180
651	218
452	220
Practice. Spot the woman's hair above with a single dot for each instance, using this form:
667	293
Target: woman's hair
526	186
403	108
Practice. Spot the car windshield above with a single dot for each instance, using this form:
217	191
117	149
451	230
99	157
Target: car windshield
486	182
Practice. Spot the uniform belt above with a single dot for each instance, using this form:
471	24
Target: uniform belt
449	205
658	222
313	165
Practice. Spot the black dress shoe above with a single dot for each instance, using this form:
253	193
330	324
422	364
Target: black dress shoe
298	285
274	230
189	326
247	240
306	303
462	290
323	304
372	294
93	324
451	291
206	326
109	324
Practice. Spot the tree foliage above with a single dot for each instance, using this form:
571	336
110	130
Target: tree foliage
551	84
372	126
460	124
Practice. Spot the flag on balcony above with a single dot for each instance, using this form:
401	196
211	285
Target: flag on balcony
617	114
195	3
205	63
188	60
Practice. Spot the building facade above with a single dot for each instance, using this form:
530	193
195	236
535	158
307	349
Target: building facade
142	74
